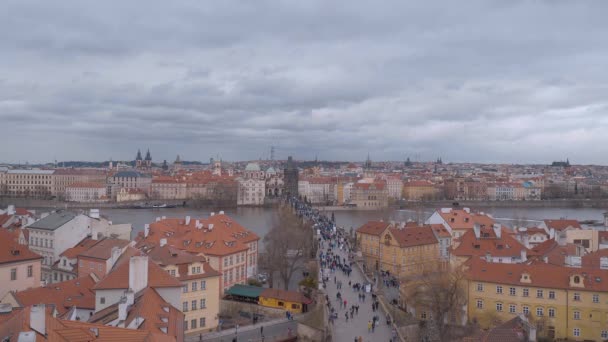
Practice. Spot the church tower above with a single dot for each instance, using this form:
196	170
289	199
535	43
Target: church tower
148	161
138	159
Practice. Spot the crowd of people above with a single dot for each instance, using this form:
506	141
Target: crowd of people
336	256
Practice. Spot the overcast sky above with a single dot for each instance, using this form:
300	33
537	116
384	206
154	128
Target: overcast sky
481	81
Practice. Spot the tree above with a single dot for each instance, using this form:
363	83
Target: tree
440	292
287	245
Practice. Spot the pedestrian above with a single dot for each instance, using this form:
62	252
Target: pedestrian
346	316
262	330
369	326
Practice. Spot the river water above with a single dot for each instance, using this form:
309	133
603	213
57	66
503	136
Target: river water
260	220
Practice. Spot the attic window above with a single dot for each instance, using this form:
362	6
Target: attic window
452	219
577	279
477	246
598	279
466	219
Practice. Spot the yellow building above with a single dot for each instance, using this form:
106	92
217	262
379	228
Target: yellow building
420	190
368	241
563	302
408	249
292	301
201	286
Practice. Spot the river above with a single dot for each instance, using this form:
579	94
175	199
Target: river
260	220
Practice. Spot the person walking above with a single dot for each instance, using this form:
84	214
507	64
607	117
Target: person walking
369	326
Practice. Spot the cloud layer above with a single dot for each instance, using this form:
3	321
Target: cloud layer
485	81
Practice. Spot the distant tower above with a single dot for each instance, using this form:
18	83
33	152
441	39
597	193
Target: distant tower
217	167
272	153
138	159
177	164
165	167
111	164
367	168
368	162
148	160
291	175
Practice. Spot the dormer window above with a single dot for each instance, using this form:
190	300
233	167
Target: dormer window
576	279
452	219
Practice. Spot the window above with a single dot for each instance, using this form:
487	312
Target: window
203	303
480	304
577	315
281	304
185	306
194	286
198	269
551	294
596	298
576	332
539	312
102	300
525	292
525	310
577	296
551	312
202	322
577	279
185	325
30	271
539	293
225	262
512	308
512	291
80	263
499	307
13	274
203	285
185	288
193	305
193	270
604	334
423	315
173	273
498	289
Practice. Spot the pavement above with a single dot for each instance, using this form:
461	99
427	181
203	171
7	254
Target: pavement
346	331
275	330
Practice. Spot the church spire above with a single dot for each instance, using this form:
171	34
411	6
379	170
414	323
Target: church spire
138	155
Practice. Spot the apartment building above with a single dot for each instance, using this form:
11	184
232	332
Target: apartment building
200	285
369	195
230	248
563	302
26	183
19	267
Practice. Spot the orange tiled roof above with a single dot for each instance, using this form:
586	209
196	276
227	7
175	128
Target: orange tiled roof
540	274
83	245
11	251
102	249
150	306
562	224
506	246
168	255
227	236
367	186
118	278
463	220
413	236
287	296
373	228
64	295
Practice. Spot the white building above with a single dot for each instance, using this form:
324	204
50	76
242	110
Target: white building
128	180
26	183
252	186
86	192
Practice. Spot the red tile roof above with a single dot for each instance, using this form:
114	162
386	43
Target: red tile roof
226	237
11	251
83	245
460	219
370	186
168	255
562	224
373	228
505	246
102	249
413	236
86	185
287	296
118	278
540	274
64	295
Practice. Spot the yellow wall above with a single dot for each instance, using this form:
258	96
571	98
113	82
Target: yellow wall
292	307
369	246
406	261
593	316
418	192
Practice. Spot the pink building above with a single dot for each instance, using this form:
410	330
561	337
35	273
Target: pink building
19	267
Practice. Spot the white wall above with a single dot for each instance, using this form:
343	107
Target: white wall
68	235
112	297
171	295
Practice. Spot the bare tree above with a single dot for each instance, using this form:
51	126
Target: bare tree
441	293
287	246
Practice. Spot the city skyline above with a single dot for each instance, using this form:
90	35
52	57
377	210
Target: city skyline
482	81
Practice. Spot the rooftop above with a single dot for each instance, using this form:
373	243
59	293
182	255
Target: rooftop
11	251
53	220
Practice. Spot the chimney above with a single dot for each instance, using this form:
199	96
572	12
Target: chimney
552	233
147	229
187	220
163	242
164	217
158	219
546	259
212	214
122	311
11	210
138	273
210	226
38	318
523	255
477	230
130	295
94	213
197	223
221	212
